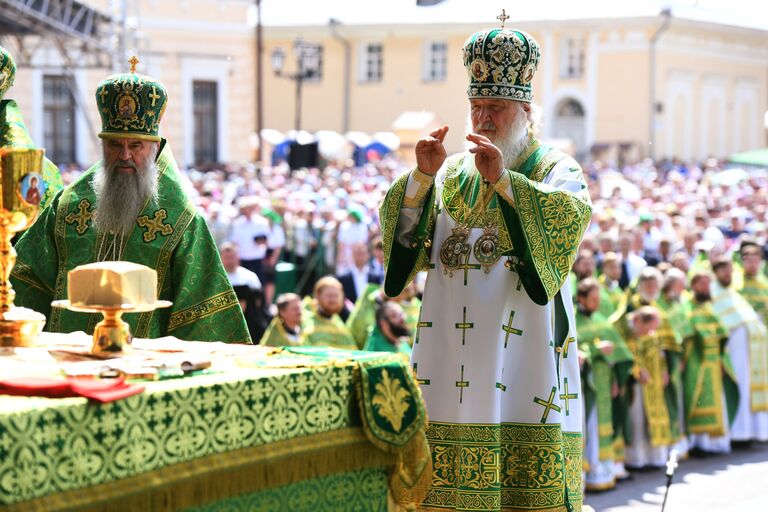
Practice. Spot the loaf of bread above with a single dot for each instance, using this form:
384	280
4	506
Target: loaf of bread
112	283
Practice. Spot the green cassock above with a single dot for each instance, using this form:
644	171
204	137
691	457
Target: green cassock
708	373
170	237
378	343
600	371
363	316
14	134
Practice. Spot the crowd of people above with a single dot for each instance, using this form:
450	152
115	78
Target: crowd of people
669	288
663	312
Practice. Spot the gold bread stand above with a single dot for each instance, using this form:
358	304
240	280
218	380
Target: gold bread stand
112	334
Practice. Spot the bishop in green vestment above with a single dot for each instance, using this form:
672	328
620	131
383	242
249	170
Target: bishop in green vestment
130	206
497	229
14	134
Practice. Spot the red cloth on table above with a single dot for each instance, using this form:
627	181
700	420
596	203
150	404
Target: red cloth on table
99	390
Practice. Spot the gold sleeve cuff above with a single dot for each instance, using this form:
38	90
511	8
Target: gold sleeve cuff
504	187
424	181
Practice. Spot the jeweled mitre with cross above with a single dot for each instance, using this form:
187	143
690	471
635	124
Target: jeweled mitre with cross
131	105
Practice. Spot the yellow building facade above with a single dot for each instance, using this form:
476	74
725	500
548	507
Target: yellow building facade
594	82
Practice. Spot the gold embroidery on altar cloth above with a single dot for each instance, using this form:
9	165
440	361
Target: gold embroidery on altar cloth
390	399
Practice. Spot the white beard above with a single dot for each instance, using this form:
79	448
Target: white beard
120	197
516	140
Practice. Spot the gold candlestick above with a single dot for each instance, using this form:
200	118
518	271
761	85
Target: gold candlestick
20	192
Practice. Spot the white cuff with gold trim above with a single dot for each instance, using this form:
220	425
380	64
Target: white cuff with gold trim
417	188
504	188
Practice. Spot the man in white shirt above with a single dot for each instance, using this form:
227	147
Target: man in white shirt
248	289
250	232
360	274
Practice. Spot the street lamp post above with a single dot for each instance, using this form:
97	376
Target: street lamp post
307	67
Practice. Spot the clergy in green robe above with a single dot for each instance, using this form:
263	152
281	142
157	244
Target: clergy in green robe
748	348
321	325
390	334
362	318
647	292
755	284
604	377
674	301
130	206
285	328
649	428
497	229
711	392
609	279
14	134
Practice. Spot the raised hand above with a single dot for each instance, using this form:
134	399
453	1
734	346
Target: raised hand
488	158
430	152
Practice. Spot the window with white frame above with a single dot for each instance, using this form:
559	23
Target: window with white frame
435	61
372	62
572	57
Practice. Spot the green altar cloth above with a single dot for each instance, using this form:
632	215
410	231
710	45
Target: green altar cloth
273	426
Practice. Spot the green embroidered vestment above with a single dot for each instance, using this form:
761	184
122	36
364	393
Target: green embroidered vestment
170	237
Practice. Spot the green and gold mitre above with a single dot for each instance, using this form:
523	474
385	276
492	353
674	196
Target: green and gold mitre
131	105
7	71
501	63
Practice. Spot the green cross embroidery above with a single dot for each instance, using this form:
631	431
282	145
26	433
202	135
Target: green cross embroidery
464	325
567	396
548	404
421	382
509	329
418	330
500	385
564	348
155	224
466	267
80	218
461	384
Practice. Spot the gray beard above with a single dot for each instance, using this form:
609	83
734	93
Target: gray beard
120	197
516	141
513	145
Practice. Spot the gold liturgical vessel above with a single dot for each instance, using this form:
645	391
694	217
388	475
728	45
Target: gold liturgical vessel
112	333
20	186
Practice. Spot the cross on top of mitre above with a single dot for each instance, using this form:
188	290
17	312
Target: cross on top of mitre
133	61
502	17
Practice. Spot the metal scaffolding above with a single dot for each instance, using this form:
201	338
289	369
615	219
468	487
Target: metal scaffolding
79	32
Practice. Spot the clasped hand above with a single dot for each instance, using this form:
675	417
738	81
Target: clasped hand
430	155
